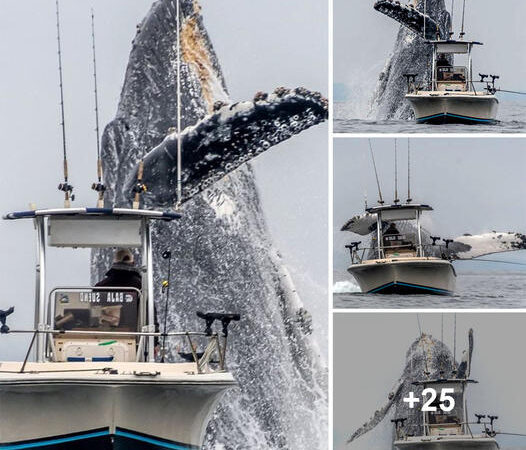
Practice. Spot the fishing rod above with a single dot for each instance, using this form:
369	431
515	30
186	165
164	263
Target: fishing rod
65	186
409	199
494	261
381	200
99	186
179	144
462	33
452	22
166	289
396	199
510	434
511	92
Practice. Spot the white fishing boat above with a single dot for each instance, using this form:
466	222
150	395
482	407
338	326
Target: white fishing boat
451	95
399	262
449	430
95	381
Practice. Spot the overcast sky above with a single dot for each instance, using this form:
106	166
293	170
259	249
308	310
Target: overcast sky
363	39
474	185
261	45
370	354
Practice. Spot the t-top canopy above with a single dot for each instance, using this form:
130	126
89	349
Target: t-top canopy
458	47
398	212
444	381
132	213
95	227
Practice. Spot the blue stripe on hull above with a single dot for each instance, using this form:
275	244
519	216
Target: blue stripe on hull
100	440
444	118
58	442
407	288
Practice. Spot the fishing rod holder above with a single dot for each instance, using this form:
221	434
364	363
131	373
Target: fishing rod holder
447	242
399	424
434	239
353	247
224	318
4	329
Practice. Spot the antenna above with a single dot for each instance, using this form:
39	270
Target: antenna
179	144
463	17
442	328
425	13
452	24
381	200
65	186
396	199
455	339
97	187
409	199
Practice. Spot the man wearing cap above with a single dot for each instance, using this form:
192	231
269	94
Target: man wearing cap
123	272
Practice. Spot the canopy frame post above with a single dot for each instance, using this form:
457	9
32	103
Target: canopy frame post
40	294
379	235
147	287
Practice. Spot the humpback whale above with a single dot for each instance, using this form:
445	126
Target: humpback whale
224	256
427	358
463	247
410	54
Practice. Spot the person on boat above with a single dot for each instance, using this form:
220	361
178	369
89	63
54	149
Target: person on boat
123	272
444	68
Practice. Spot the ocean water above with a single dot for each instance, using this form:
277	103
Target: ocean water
512	119
474	290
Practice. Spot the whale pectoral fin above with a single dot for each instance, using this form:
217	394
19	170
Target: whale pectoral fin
409	17
474	246
379	414
222	141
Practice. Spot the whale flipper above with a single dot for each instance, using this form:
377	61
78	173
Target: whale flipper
222	141
464	368
409	17
475	246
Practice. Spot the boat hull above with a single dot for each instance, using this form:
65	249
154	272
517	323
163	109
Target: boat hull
449	444
405	277
100	410
100	440
444	108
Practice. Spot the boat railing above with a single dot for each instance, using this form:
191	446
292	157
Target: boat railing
414	87
404	431
204	360
361	254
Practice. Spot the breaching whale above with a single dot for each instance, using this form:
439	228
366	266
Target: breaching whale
427	358
410	54
224	258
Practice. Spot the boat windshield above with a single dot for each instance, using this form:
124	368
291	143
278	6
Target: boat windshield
96	309
441	423
452	74
399	240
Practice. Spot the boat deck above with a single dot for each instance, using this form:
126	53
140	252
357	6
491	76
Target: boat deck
108	373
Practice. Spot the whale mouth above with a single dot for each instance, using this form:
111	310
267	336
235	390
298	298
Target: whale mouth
409	17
